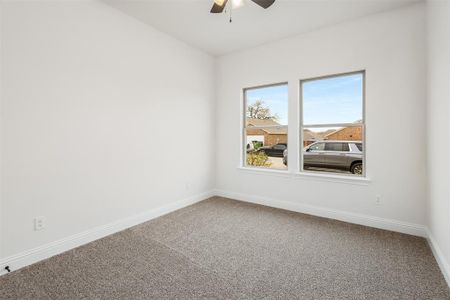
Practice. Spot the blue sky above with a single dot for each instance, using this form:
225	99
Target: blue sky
274	97
325	101
333	100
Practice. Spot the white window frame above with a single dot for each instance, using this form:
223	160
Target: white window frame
243	164
362	124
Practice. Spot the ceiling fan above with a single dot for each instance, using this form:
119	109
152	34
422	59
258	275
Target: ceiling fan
219	5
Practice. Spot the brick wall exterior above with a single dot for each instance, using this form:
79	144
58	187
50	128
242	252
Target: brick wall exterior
272	139
349	134
255	131
307	143
269	139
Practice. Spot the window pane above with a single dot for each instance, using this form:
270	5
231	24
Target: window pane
333	100
336	147
266	147
334	150
267	106
317	147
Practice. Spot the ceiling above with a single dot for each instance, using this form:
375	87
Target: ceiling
191	22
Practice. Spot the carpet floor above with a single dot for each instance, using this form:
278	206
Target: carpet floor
226	249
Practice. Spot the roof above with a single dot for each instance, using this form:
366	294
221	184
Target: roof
276	130
281	129
309	135
261	122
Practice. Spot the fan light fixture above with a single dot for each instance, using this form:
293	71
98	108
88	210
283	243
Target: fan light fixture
219	5
237	3
219	2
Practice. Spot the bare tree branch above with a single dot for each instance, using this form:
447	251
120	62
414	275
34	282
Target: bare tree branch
258	110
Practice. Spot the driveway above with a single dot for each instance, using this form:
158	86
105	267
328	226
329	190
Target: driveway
277	163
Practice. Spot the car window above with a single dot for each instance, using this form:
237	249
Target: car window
359	146
317	147
279	147
336	147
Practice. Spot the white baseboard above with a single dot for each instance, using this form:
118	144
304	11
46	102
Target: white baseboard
440	258
37	254
34	255
370	221
366	220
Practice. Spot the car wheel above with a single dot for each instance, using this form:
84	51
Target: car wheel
357	169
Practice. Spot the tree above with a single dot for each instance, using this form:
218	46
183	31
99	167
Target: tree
258	110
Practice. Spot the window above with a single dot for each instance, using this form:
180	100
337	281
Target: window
317	147
332	124
266	126
336	147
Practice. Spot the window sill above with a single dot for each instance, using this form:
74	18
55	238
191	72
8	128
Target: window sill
346	179
266	171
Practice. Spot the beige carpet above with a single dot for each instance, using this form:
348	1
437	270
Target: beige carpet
221	248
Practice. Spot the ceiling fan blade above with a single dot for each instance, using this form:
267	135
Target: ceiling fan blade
264	3
218	6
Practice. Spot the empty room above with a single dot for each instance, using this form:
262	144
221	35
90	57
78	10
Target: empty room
225	149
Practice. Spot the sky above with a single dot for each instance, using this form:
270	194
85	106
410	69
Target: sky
274	97
333	100
325	101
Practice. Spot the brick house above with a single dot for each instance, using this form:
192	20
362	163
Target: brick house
269	135
274	135
310	137
346	133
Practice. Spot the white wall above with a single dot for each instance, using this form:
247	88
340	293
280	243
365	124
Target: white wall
92	100
102	118
1	96
390	47
439	127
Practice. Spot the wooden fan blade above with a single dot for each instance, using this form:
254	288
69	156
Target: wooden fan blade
264	3
217	9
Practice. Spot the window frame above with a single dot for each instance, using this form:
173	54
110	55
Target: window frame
301	126
243	163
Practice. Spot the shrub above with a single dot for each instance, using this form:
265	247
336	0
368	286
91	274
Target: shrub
257	145
258	159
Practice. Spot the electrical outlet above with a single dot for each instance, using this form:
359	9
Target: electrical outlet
378	199
39	223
